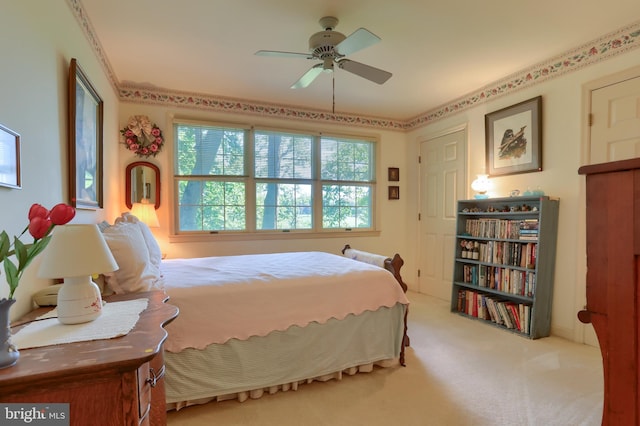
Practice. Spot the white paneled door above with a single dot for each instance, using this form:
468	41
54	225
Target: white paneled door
442	183
615	122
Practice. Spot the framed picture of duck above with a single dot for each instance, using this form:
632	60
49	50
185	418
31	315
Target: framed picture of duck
514	138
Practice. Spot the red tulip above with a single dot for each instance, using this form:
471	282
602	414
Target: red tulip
62	213
38	227
38	210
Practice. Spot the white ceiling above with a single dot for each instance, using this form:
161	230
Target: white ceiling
436	50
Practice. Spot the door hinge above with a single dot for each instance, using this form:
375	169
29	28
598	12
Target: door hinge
590	120
419	216
419	159
418	273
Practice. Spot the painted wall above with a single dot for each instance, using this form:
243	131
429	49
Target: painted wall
37	41
392	238
562	153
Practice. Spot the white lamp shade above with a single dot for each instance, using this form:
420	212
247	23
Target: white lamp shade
74	251
481	184
146	212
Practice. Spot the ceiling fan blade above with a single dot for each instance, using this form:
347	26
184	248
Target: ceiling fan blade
358	40
308	77
370	73
284	54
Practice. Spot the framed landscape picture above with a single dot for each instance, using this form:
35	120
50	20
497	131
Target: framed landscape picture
85	141
513	138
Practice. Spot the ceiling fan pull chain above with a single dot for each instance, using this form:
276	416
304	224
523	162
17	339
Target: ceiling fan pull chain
333	81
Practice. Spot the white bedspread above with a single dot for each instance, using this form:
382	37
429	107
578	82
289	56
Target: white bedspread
227	297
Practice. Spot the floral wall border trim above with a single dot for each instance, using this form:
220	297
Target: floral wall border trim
607	46
612	44
221	104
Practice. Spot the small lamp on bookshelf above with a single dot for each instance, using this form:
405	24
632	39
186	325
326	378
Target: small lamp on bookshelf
481	186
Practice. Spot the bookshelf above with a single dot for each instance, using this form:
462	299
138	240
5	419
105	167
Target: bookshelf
504	262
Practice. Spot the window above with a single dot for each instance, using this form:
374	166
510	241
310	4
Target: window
283	174
234	179
347	173
210	178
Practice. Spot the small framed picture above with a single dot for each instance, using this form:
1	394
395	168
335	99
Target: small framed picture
394	192
9	158
394	174
514	139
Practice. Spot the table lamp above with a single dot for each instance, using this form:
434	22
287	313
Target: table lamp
146	212
75	253
481	186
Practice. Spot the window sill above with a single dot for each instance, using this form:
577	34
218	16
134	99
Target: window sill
195	238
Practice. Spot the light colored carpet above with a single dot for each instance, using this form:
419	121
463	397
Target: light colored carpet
459	372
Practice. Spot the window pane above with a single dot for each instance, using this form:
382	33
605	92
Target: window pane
211	205
283	156
283	206
347	160
346	206
205	150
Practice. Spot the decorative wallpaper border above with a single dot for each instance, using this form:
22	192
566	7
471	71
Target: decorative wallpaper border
605	47
220	104
612	44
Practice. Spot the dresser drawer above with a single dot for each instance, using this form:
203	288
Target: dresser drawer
145	378
150	378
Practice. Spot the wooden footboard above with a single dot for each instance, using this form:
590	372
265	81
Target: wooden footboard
392	265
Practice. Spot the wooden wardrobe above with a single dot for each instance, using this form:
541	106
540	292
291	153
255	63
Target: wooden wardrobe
613	300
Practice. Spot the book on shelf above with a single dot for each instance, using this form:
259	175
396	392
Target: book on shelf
461	299
509	314
528	236
493	311
515	315
529	229
506	318
482	276
529	224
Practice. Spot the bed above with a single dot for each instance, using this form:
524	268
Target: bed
263	323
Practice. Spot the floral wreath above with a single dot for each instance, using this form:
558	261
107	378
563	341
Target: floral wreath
142	137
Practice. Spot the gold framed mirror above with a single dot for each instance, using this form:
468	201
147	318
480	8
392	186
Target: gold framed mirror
142	183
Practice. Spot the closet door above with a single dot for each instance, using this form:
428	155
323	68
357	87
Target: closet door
615	124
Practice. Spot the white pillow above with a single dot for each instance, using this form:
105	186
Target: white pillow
128	246
155	253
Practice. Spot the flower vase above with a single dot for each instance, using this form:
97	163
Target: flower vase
8	353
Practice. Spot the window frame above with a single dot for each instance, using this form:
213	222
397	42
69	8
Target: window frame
317	183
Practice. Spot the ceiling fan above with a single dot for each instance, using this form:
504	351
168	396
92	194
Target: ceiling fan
331	47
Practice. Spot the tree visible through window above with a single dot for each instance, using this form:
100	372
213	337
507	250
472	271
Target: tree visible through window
246	180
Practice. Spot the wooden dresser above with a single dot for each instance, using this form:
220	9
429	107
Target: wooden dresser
106	382
613	282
